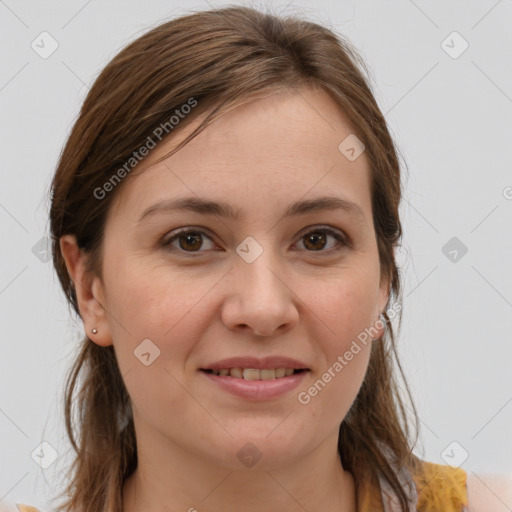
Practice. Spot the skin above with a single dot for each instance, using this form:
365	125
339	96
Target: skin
292	300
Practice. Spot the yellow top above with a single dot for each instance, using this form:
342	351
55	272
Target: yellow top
436	488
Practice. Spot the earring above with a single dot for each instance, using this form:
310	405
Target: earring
94	331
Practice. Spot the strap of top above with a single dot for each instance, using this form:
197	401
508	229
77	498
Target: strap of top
390	500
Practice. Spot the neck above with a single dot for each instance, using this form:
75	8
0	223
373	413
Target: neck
176	479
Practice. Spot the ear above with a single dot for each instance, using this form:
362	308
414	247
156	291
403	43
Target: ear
381	302
89	292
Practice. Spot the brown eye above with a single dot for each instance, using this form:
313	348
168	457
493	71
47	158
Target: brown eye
316	240
188	240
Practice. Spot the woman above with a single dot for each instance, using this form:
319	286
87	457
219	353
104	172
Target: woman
224	217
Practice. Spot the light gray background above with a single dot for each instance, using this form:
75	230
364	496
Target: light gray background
451	120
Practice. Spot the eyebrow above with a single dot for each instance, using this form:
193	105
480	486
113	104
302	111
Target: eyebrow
208	207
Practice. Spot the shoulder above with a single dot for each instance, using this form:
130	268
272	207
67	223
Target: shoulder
443	487
489	493
440	487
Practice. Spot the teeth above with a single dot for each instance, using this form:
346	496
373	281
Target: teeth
236	372
267	374
254	374
251	374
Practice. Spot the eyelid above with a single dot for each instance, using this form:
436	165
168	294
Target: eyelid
341	237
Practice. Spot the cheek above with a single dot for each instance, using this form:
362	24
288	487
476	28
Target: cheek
346	307
345	362
171	310
344	311
337	382
173	314
150	301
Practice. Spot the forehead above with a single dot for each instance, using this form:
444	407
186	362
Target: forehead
270	151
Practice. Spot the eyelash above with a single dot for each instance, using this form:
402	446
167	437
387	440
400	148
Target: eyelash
190	230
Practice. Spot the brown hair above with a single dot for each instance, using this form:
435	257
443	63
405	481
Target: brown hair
220	59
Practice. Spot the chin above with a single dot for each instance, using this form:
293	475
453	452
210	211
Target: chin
262	451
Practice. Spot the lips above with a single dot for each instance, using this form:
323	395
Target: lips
253	378
255	389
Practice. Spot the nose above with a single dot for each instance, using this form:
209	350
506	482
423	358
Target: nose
260	299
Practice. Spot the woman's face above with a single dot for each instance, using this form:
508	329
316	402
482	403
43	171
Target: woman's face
264	284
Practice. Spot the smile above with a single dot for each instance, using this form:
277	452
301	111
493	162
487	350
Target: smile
256	385
255	374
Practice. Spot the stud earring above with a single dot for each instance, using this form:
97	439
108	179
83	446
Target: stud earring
94	331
